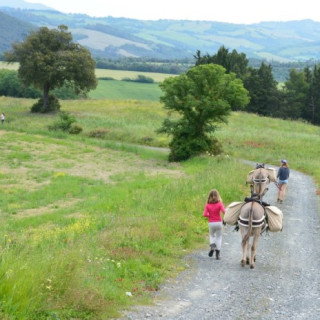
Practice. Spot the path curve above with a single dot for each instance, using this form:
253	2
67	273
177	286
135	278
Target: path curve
285	283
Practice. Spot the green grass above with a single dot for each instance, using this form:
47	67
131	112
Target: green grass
115	89
85	220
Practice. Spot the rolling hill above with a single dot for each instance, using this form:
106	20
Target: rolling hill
111	37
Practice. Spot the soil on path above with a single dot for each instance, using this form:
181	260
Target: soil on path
285	283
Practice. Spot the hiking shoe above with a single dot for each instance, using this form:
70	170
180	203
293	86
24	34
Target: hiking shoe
213	247
218	254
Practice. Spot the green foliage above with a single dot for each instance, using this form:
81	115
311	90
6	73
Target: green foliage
75	129
53	105
203	98
11	86
301	95
140	78
106	78
232	61
49	59
264	96
66	123
145	65
99	133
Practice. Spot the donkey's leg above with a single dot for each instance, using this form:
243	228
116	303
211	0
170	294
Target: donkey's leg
243	231
248	252
256	235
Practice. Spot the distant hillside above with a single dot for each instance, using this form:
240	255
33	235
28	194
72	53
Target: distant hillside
12	30
175	39
20	4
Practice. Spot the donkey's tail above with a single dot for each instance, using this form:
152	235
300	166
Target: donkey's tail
247	236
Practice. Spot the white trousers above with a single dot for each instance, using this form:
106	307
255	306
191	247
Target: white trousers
215	233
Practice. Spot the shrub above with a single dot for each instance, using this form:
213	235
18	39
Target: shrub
140	78
75	129
54	105
106	78
98	133
64	123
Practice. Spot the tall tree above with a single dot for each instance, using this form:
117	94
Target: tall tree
263	91
312	108
49	59
202	98
296	95
233	62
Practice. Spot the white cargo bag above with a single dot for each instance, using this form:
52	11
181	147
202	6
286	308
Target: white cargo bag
232	213
274	216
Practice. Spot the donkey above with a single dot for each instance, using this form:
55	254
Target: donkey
259	180
251	223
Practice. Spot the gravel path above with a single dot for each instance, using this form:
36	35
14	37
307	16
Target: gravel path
285	283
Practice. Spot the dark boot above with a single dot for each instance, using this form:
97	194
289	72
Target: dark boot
218	254
213	247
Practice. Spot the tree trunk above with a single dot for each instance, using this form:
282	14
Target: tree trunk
46	96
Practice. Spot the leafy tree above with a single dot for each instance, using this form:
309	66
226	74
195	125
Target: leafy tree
50	59
201	98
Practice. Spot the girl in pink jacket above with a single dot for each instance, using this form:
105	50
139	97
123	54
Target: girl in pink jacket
212	211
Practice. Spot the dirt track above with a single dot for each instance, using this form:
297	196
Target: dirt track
285	283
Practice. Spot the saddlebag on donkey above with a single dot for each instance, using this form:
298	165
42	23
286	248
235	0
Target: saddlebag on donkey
274	218
232	213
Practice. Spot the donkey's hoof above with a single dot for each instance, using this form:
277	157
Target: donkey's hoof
251	266
243	263
248	261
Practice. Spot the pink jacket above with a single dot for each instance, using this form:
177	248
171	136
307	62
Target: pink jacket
212	211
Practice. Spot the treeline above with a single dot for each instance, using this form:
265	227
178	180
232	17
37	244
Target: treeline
297	98
280	70
145	65
12	86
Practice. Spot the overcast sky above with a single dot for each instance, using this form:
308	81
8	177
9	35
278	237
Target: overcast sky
233	11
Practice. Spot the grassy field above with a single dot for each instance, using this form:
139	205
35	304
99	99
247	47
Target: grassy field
115	74
120	74
115	89
93	223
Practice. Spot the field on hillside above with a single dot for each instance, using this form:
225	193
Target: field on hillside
120	74
115	89
93	223
115	74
